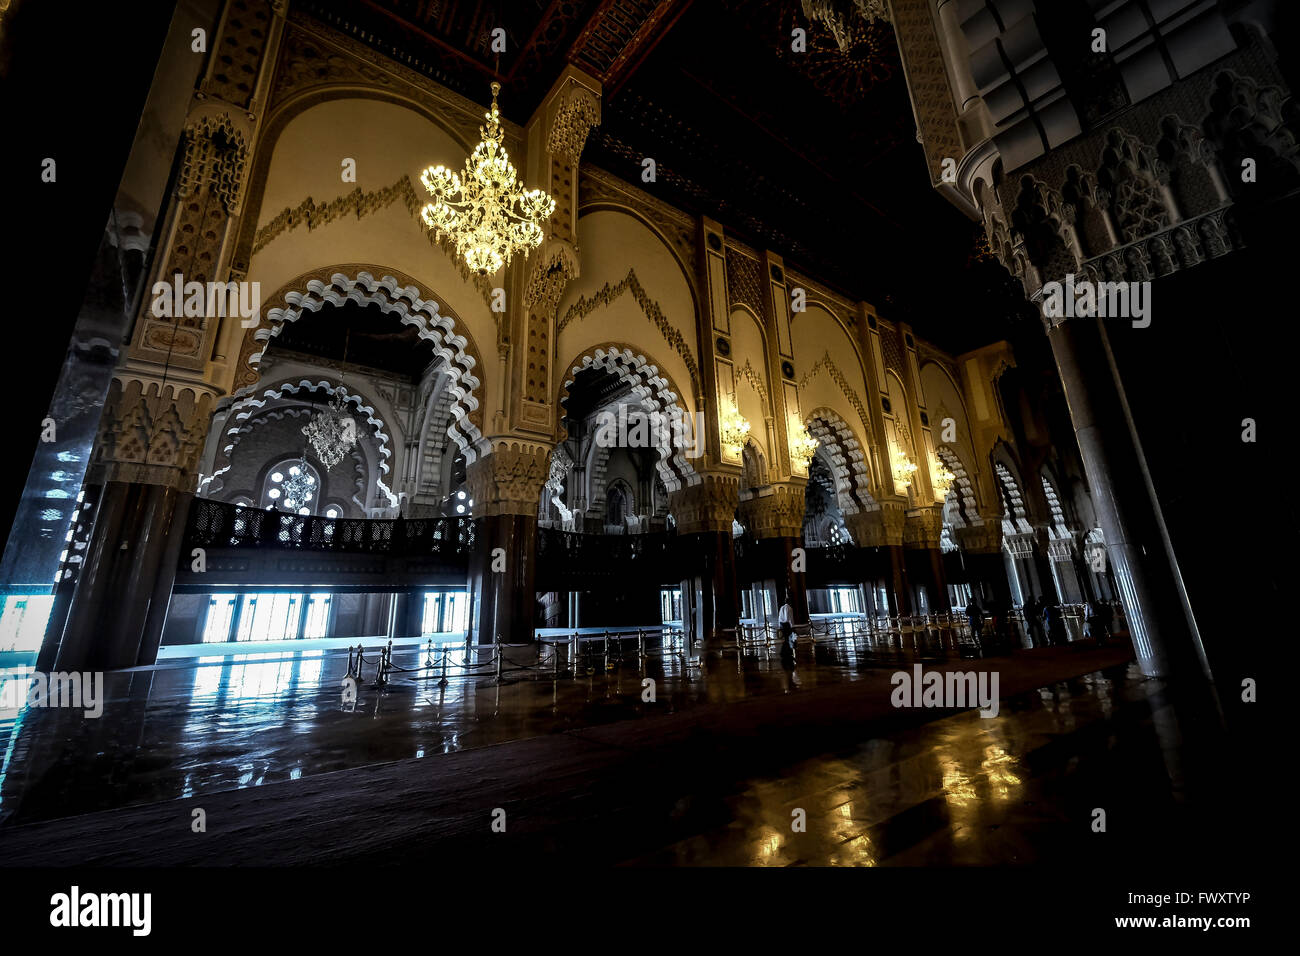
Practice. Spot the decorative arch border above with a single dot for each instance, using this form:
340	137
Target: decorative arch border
962	494
248	406
395	293
847	458
608	205
817	298
653	387
435	106
1011	497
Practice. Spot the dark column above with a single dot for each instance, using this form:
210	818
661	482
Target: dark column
504	599
939	577
791	582
1138	550
899	586
156	619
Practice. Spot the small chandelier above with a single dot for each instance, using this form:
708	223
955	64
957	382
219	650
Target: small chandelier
903	469
299	487
802	445
733	429
333	432
941	478
477	209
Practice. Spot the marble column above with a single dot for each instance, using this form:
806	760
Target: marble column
882	528
506	486
703	513
775	517
1138	550
145	458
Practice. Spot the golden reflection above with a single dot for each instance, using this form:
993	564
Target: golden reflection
1000	767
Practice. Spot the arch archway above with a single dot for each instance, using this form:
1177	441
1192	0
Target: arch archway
845	456
411	304
245	408
656	395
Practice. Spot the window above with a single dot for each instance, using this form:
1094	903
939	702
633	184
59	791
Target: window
275	494
318	614
444	612
22	621
269	616
670	604
221	612
845	601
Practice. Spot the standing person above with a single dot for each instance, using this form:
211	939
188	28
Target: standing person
975	614
1032	610
785	619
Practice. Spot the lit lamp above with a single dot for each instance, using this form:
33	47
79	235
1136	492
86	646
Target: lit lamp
802	445
733	429
941	478
903	469
484	210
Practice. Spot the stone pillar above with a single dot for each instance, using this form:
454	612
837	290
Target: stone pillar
506	486
883	528
703	513
1138	550
145	456
775	515
982	546
922	529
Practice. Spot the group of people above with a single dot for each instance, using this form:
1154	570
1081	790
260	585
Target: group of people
1046	622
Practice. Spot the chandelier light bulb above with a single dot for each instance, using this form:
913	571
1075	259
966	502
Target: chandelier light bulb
733	428
485	210
802	445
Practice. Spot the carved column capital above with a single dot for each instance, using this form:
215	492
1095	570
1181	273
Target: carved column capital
151	433
708	505
923	527
509	480
776	513
878	527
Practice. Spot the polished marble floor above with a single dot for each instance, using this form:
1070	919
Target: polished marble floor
207	724
714	783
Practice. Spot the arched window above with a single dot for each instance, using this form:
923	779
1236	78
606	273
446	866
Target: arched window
291	477
618	504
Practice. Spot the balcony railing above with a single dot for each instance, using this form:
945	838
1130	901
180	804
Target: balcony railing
218	524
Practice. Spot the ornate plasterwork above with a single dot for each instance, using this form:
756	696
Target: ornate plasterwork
554	267
151	434
412	306
355	205
655	393
508	478
745	281
878	527
827	364
846	457
214	156
923	528
609	293
579	111
775	515
708	505
249	405
755	380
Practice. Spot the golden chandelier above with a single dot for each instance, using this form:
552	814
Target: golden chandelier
477	209
733	428
802	445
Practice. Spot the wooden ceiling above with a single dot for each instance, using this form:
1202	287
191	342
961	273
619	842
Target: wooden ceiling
811	154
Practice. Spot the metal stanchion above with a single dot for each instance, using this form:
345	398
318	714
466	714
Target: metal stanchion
446	652
497	649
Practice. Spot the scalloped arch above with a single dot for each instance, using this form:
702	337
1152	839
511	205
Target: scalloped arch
653	387
846	457
413	307
245	408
